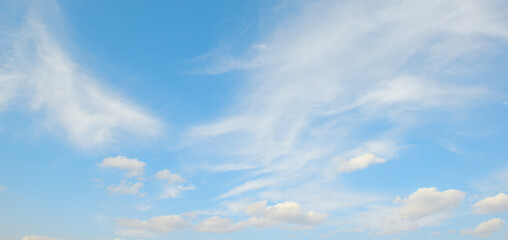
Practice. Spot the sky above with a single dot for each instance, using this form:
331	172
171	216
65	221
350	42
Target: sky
280	119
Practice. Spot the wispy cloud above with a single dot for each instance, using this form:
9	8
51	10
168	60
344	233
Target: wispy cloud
172	184
334	70
38	70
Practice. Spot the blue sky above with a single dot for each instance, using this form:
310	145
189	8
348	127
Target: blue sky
253	119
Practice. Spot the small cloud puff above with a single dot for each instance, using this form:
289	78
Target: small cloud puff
360	162
171	189
287	212
171	177
132	166
126	188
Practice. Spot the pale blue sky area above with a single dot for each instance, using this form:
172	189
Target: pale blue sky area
253	119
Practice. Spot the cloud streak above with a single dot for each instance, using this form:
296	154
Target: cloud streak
327	74
38	71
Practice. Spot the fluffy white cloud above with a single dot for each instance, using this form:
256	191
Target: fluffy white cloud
426	201
424	207
132	166
126	188
34	237
496	204
64	95
287	212
360	162
157	225
170	187
263	216
485	229
171	177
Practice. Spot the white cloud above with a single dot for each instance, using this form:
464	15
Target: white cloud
287	212
496	204
155	225
485	229
360	162
171	177
219	225
62	93
262	216
424	207
170	187
126	188
35	237
426	201
312	97
132	166
2	188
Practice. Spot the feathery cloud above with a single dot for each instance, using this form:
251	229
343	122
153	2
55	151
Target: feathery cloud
311	98
37	70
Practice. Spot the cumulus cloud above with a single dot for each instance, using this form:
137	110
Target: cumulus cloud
155	225
263	216
132	166
424	207
220	225
171	187
126	188
360	162
36	69
287	212
35	237
427	201
171	177
485	229
496	204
